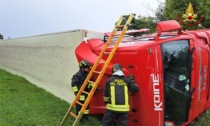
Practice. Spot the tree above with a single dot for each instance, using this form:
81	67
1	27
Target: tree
151	21
146	22
142	22
174	10
204	10
159	12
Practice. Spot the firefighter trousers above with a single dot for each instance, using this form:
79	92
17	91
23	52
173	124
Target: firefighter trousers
110	116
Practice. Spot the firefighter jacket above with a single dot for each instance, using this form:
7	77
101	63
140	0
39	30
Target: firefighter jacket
116	96
77	81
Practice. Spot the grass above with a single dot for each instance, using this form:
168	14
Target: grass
24	104
203	120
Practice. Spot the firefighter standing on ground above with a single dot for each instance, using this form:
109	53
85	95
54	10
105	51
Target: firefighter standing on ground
76	83
116	97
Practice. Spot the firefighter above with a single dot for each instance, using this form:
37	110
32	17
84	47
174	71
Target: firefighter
76	83
116	97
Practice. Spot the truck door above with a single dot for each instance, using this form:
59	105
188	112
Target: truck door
175	56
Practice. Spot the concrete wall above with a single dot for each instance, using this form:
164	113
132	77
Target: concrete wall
47	61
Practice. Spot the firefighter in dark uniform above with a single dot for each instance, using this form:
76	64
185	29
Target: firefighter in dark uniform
116	97
76	83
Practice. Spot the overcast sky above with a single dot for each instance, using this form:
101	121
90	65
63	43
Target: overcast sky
22	18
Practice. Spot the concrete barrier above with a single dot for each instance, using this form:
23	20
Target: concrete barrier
47	61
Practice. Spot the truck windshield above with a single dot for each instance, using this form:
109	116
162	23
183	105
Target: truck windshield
175	56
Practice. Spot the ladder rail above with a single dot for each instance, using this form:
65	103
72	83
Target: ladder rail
66	116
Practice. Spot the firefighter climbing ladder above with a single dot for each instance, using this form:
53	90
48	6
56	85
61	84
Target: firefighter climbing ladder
123	29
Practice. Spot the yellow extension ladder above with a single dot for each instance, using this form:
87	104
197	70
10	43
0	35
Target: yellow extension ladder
123	29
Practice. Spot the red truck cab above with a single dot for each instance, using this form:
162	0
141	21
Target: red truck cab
171	69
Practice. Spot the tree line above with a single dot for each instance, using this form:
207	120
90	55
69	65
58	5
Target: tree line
194	16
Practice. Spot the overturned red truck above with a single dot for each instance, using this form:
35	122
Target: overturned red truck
171	69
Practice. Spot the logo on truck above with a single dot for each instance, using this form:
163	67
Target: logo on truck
156	92
189	17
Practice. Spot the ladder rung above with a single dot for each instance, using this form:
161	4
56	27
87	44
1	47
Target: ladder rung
91	82
79	103
85	92
112	43
97	72
120	26
106	52
72	114
101	62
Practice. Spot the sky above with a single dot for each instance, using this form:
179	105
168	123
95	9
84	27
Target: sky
23	18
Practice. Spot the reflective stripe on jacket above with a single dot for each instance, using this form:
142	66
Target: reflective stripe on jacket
116	94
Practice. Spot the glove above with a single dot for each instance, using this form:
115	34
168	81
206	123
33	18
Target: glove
134	88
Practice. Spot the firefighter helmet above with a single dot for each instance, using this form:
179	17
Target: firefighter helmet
116	67
84	64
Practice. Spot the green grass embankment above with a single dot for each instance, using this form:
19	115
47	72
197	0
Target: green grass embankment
24	104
